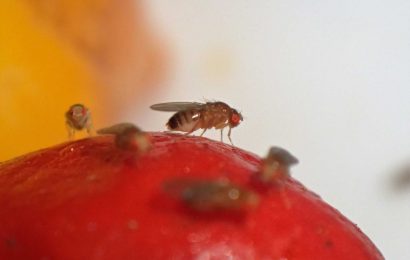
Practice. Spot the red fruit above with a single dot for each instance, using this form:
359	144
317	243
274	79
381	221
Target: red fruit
90	200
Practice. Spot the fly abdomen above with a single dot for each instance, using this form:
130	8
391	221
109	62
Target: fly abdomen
174	122
185	121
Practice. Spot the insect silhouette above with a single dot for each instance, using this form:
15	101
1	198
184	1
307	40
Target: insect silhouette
191	116
128	137
78	117
211	195
275	166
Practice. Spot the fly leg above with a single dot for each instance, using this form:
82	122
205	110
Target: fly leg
203	132
221	126
194	128
70	131
229	136
89	128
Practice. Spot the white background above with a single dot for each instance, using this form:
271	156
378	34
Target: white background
327	80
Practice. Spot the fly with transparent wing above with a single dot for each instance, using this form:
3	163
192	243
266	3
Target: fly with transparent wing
191	116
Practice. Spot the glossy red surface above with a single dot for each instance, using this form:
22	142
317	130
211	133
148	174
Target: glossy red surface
89	200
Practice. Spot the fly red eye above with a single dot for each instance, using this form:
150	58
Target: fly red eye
235	119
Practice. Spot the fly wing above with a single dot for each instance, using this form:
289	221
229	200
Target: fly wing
176	106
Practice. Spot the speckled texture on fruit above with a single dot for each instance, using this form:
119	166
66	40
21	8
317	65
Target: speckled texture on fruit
90	200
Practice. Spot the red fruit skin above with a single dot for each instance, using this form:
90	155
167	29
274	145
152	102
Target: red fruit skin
90	200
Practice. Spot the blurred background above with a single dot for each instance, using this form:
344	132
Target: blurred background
327	80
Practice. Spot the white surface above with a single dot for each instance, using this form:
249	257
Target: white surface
327	80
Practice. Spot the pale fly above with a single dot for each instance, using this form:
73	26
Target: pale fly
128	136
78	117
211	195
275	166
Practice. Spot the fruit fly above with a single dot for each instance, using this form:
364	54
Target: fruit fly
191	116
211	195
78	117
275	166
128	136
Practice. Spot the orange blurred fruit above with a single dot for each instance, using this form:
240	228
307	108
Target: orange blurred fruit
40	76
56	53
